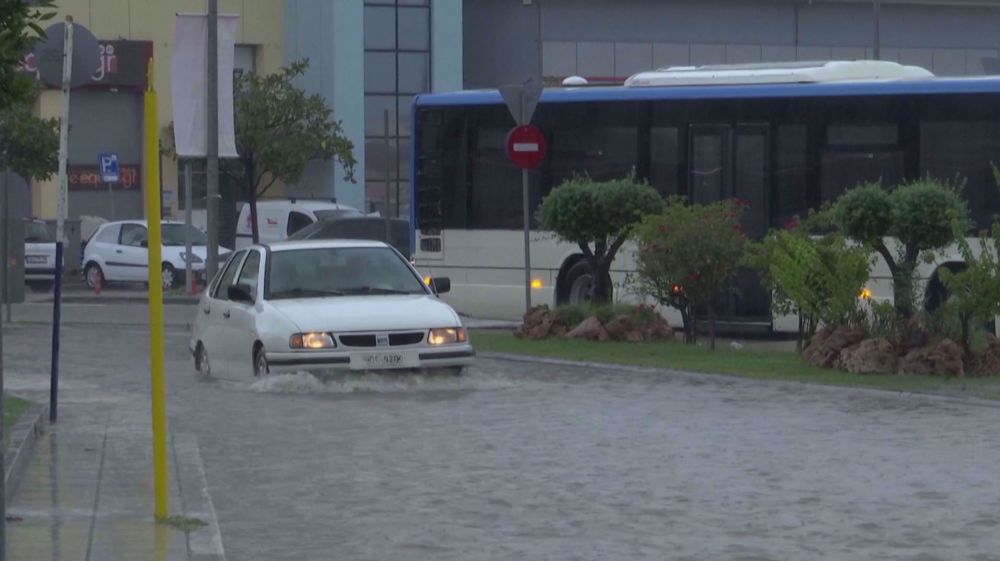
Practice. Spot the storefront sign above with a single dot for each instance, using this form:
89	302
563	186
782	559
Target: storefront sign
122	65
88	178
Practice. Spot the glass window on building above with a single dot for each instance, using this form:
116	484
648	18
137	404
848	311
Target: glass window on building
397	67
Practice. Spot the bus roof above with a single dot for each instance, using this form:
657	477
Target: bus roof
974	85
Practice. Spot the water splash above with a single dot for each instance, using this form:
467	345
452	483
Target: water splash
358	382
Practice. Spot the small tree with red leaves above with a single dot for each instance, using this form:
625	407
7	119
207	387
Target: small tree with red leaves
687	257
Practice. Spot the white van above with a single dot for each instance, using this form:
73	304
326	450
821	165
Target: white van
279	218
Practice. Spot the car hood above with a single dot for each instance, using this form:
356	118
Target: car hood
367	313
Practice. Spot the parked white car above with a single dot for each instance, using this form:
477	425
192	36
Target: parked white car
325	305
39	254
117	252
279	218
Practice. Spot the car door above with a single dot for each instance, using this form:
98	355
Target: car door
130	255
215	313
101	248
241	326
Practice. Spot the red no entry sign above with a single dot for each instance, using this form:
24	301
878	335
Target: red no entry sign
525	146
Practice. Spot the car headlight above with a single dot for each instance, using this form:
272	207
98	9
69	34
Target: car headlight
447	336
190	257
312	341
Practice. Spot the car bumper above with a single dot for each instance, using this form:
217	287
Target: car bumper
419	358
39	273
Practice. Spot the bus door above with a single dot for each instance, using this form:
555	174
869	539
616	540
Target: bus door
731	161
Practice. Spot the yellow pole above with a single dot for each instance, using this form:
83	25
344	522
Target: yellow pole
157	389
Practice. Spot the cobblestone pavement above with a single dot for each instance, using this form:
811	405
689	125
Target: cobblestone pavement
524	461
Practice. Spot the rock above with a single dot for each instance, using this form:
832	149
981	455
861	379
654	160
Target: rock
658	330
621	327
944	358
540	322
825	346
868	357
589	329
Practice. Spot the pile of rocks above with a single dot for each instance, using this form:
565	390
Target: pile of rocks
541	323
849	349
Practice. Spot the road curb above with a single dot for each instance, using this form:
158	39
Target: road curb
23	438
731	379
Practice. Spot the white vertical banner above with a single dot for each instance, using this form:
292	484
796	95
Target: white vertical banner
189	70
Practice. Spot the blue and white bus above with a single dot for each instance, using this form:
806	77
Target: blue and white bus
784	137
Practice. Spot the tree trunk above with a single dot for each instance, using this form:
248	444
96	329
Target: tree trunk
689	329
600	292
802	329
711	325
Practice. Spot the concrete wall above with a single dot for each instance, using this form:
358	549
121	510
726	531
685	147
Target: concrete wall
603	39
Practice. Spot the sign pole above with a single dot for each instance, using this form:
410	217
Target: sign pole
188	272
525	203
388	182
6	241
67	73
212	140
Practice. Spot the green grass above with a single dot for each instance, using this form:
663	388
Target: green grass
184	523
13	407
747	363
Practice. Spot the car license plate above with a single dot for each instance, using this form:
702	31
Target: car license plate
383	361
34	259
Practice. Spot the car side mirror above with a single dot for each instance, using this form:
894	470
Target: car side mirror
240	293
144	243
441	285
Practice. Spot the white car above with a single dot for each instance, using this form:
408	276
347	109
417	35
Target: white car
39	254
325	305
117	253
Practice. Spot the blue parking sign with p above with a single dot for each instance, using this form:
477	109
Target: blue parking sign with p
108	164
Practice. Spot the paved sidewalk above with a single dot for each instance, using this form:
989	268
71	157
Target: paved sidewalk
88	493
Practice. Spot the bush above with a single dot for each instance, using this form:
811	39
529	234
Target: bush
598	216
923	215
818	278
573	315
688	255
975	291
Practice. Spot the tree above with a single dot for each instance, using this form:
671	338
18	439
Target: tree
688	255
279	129
598	216
922	216
975	290
20	26
28	145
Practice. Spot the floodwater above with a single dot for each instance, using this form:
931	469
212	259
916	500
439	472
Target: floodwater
530	461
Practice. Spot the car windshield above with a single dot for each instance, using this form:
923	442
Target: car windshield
36	232
173	234
346	271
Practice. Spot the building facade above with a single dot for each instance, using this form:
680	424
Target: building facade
509	40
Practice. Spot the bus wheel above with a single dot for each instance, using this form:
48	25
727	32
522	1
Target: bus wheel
579	284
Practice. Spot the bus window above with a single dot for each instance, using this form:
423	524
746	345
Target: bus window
791	174
860	153
964	151
665	160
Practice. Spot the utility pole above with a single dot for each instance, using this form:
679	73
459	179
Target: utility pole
212	140
876	17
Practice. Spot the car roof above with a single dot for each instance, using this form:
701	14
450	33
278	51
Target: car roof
317	244
311	204
139	222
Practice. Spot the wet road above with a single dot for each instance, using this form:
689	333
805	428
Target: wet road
520	461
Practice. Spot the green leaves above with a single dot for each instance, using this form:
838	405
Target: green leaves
29	145
583	211
19	28
280	128
926	214
864	213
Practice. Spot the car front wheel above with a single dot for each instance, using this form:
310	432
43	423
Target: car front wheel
201	362
260	367
169	276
